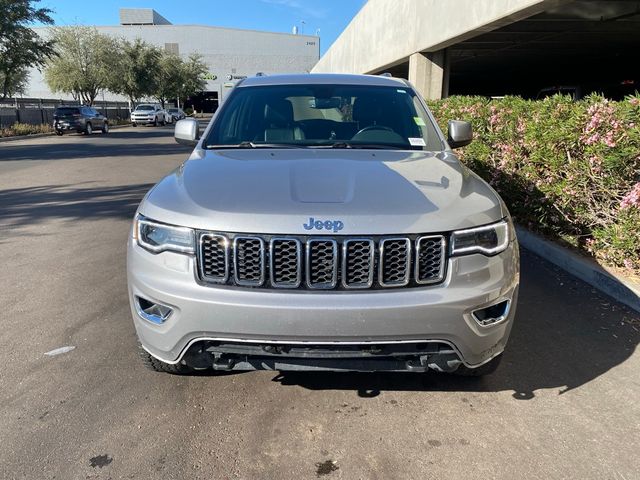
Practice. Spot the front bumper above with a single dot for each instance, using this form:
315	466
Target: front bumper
440	314
143	120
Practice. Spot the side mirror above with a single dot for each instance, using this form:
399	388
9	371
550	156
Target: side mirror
460	133
187	132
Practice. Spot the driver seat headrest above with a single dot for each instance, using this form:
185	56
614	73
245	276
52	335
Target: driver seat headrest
278	113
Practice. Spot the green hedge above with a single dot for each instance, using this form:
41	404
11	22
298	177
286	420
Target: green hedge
568	170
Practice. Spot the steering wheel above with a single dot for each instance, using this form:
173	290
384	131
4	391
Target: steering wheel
374	127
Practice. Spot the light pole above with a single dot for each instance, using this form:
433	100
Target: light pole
180	93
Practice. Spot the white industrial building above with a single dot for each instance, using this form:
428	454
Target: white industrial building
230	54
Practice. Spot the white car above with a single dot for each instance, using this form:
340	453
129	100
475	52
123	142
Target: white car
150	114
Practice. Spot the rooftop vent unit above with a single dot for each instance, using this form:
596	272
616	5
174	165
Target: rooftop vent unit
141	16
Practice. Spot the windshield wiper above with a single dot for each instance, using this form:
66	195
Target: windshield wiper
383	146
248	144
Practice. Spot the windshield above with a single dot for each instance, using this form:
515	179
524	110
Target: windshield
144	107
339	116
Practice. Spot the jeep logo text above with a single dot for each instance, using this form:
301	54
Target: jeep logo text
331	225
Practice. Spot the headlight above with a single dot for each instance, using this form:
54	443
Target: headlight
159	237
488	240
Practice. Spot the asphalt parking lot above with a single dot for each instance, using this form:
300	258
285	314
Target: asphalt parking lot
564	403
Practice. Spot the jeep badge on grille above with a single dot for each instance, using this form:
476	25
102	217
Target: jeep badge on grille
332	225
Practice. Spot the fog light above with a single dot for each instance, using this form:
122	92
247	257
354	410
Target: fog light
493	314
152	312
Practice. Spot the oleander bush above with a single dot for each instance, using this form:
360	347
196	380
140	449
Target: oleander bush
568	170
24	129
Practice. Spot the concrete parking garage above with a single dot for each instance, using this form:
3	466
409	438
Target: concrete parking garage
495	47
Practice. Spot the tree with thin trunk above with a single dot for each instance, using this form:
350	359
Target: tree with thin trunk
194	75
135	70
178	78
83	65
21	47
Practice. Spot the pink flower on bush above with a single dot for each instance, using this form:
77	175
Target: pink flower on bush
602	117
634	101
494	119
628	263
632	198
596	164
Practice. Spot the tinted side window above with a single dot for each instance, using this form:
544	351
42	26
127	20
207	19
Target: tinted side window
66	111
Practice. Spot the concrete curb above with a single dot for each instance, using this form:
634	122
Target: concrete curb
587	270
49	134
25	137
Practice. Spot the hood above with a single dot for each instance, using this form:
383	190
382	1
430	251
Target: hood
371	192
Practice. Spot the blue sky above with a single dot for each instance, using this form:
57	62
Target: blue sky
330	16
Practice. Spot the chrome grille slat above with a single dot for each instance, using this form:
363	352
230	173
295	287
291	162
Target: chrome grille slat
214	257
395	262
321	262
429	259
285	256
358	263
248	261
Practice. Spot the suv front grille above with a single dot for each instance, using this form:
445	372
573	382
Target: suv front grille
299	262
322	263
286	262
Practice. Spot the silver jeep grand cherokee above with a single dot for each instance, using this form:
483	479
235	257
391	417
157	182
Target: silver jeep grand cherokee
323	222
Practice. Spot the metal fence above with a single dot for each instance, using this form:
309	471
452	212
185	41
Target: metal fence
36	111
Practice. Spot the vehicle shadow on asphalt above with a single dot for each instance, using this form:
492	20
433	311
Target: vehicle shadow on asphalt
565	335
32	205
132	143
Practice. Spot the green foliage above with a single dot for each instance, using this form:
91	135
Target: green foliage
83	64
135	70
177	78
569	170
193	75
20	46
15	83
89	62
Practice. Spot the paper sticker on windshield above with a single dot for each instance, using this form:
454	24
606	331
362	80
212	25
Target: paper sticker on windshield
417	142
419	121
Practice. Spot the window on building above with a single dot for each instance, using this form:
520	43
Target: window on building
172	48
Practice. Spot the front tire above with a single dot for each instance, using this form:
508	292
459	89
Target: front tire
487	369
88	130
105	128
59	133
134	124
152	363
155	122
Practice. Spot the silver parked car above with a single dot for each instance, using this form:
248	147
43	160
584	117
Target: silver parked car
323	222
176	113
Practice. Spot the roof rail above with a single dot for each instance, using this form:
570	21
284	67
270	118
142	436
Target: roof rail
261	74
385	74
